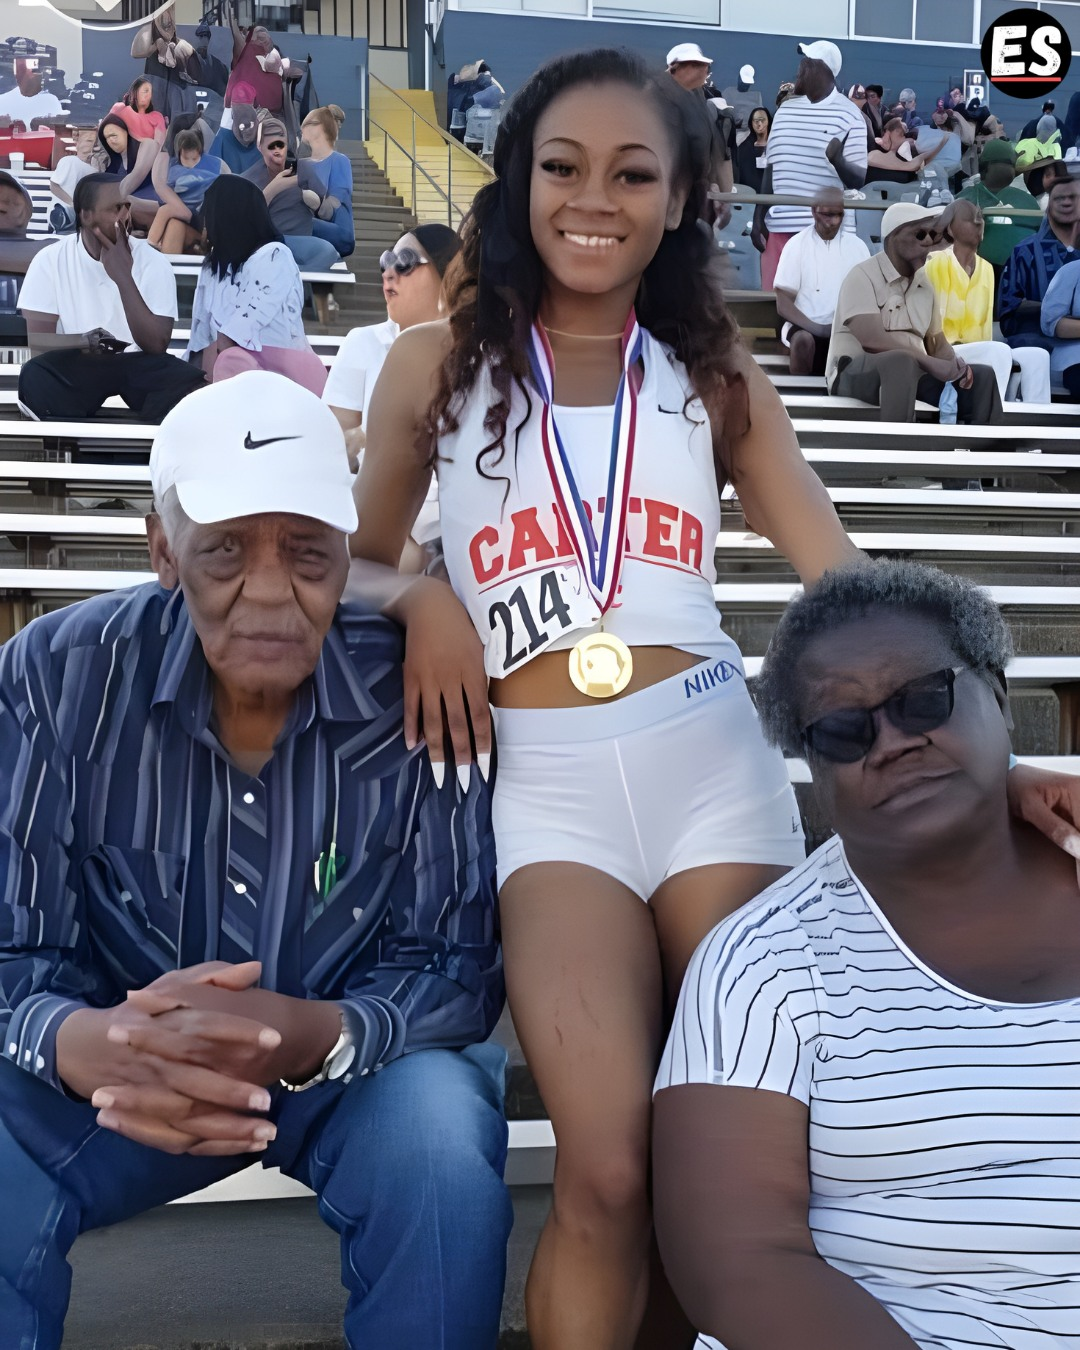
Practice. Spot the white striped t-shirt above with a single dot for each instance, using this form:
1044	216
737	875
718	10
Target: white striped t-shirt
944	1128
795	151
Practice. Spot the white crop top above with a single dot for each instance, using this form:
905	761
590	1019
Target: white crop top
512	565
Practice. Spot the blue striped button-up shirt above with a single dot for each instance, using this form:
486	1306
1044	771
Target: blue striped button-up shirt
130	844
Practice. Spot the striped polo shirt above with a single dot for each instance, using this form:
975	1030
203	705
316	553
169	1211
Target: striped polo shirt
795	152
944	1128
131	844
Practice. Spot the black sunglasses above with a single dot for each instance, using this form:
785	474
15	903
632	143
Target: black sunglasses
921	705
276	145
935	236
403	262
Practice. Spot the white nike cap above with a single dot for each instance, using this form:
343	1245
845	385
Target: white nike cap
687	51
252	445
828	52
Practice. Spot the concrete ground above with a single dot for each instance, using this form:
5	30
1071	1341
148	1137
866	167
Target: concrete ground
248	1275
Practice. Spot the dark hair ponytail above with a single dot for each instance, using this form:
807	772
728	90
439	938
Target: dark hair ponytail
494	285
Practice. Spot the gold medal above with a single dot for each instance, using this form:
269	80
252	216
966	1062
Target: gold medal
601	665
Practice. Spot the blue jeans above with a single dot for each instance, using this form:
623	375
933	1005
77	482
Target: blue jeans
312	254
338	231
407	1164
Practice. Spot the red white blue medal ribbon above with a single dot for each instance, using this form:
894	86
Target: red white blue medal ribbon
600	560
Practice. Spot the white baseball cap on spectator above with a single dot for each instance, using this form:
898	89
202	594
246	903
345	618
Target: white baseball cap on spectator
687	51
252	445
906	213
828	52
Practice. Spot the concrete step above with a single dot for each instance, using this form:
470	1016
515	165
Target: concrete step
244	1275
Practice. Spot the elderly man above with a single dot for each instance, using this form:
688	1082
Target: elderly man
239	915
689	67
99	309
817	143
908	114
887	342
1034	262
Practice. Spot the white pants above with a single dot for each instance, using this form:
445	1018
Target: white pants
1031	385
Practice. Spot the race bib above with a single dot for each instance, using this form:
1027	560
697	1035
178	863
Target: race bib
541	608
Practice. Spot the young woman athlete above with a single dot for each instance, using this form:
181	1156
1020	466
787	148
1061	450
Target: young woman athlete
579	461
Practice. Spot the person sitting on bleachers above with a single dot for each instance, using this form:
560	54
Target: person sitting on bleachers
1060	320
293	194
178	225
964	283
239	920
894	159
808	278
865	1119
887	344
131	162
1033	263
99	309
248	308
64	177
236	144
334	218
138	114
996	194
17	246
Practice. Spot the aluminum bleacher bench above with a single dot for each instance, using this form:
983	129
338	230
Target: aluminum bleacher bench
774	595
930	435
985	545
1021	670
937	460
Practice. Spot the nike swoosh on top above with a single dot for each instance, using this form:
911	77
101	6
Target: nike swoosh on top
249	444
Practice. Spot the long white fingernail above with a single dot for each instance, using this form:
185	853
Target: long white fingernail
438	772
463	773
483	763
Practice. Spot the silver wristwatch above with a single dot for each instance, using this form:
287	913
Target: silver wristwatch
334	1066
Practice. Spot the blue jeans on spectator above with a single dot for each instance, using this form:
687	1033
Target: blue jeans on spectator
407	1164
339	230
311	253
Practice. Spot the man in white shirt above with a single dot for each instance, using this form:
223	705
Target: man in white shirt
28	102
807	283
99	310
817	141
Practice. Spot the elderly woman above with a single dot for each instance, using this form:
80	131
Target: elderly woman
866	1117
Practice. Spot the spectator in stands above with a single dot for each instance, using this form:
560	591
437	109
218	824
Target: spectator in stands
248	308
293	194
750	156
887	344
872	109
258	64
817	116
1032	125
995	193
1039	179
689	67
17	251
894	159
461	89
64	177
178	225
334	219
808	280
907	112
138	114
742	97
1032	265
1038	150
99	309
944	139
857	94
964	283
28	102
870	1089
238	732
1060	320
412	276
130	161
236	144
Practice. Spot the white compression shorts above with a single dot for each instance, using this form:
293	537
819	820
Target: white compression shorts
673	777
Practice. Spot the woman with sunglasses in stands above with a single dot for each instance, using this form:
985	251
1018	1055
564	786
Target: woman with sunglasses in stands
866	1117
247	313
582	405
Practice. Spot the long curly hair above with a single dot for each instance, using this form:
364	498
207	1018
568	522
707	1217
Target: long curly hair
494	286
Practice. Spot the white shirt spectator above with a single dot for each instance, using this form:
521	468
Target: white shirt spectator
944	1152
801	130
23	108
814	269
64	280
260	305
66	174
356	368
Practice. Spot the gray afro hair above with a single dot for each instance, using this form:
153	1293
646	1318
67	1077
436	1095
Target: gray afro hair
972	622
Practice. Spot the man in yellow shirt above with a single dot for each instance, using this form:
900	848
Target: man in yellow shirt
964	283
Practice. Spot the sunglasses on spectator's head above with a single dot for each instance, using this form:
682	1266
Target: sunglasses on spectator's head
276	145
404	261
921	705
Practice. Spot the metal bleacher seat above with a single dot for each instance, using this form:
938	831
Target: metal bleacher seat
733	241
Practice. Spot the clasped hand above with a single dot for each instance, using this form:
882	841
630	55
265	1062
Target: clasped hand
170	1069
